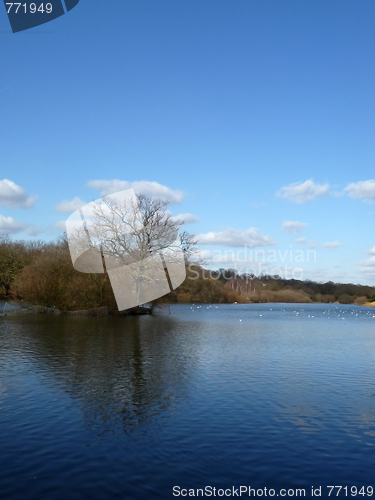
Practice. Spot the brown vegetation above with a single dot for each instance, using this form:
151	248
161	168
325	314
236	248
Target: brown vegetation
43	274
276	289
50	280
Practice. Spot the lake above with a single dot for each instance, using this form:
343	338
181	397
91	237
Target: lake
276	396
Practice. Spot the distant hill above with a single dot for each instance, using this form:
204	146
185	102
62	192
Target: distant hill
226	285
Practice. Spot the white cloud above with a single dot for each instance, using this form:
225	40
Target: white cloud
363	190
34	230
9	226
294	226
12	195
235	238
70	206
185	218
204	256
60	225
334	244
368	274
303	241
371	251
145	187
302	192
369	262
338	194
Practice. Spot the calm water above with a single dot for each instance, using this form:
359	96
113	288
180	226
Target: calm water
276	396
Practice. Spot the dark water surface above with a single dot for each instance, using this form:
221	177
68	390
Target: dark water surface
269	395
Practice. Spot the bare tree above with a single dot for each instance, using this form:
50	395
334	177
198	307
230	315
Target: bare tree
188	243
134	239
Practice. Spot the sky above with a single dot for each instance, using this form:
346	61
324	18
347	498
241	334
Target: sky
255	119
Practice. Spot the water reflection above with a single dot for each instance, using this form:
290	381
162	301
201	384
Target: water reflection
195	396
123	372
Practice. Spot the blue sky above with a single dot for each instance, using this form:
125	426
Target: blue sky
256	118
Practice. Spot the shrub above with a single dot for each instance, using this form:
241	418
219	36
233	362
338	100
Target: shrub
346	299
50	280
360	301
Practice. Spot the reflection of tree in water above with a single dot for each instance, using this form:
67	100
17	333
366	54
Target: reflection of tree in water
126	372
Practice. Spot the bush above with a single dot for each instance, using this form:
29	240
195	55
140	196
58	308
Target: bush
50	280
360	301
346	299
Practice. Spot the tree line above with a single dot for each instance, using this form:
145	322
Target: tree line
42	273
123	229
268	288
